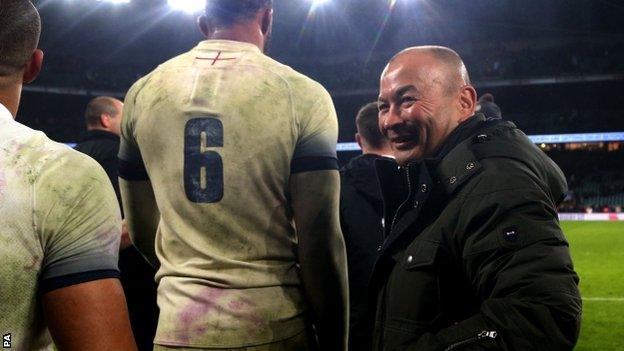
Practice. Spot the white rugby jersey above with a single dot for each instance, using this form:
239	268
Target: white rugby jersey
59	225
218	131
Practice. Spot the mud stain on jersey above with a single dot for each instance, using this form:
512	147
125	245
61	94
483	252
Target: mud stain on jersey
3	184
242	308
192	317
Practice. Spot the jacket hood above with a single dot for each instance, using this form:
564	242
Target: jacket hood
361	174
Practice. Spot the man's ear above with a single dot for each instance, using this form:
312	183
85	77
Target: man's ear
267	22
105	120
358	139
206	26
33	67
467	102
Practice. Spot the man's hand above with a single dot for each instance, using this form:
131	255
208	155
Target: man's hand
89	316
126	241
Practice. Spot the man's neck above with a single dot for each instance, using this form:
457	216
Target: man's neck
242	33
100	129
381	152
10	98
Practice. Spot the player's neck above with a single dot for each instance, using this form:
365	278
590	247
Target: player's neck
242	33
10	97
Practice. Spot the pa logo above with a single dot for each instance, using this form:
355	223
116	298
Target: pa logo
6	341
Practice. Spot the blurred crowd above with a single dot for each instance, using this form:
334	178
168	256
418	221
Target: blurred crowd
496	63
359	72
595	179
594	188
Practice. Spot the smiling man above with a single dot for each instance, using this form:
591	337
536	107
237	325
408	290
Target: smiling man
474	257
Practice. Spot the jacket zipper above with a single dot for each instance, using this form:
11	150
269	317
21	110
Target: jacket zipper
482	335
396	214
409	195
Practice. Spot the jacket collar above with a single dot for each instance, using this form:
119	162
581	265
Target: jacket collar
455	163
406	189
100	134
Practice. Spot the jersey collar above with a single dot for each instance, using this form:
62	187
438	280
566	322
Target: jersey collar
227	45
5	115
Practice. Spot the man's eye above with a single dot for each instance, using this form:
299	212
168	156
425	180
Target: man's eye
407	100
383	107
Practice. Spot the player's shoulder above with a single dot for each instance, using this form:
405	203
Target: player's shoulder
40	157
52	160
297	81
137	87
146	83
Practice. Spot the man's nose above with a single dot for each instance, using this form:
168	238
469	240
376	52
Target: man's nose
393	117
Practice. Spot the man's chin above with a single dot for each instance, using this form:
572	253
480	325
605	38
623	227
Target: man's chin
404	157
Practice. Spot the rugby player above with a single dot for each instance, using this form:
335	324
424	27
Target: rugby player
59	221
229	182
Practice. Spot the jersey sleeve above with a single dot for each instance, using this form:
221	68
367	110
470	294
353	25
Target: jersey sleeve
318	132
131	166
77	217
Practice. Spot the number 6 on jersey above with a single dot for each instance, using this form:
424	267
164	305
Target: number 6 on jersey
203	169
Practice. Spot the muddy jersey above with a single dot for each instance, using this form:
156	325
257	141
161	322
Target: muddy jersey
59	226
219	131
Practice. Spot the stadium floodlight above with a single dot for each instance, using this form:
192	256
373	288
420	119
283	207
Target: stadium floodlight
188	6
319	2
116	1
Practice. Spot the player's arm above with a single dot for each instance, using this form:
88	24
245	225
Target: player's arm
137	195
315	193
89	316
322	256
142	216
78	220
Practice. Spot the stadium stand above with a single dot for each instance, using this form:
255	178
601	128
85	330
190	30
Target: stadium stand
547	82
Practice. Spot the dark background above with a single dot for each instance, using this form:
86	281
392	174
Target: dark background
554	66
97	46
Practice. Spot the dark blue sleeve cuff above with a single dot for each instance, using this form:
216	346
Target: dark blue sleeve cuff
64	281
310	164
132	172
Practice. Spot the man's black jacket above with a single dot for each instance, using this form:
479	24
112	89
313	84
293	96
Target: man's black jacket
103	147
361	213
474	257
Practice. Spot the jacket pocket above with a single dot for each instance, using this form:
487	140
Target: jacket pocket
414	288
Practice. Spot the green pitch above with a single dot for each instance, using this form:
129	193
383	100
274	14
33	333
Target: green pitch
598	254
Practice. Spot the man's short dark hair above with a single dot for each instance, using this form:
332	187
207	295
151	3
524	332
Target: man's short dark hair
226	13
487	97
20	28
97	107
367	123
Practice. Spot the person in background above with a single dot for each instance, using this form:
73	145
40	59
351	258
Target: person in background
103	117
103	122
361	216
60	223
474	256
488	107
230	184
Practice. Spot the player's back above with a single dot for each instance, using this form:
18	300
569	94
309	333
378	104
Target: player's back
43	245
218	129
